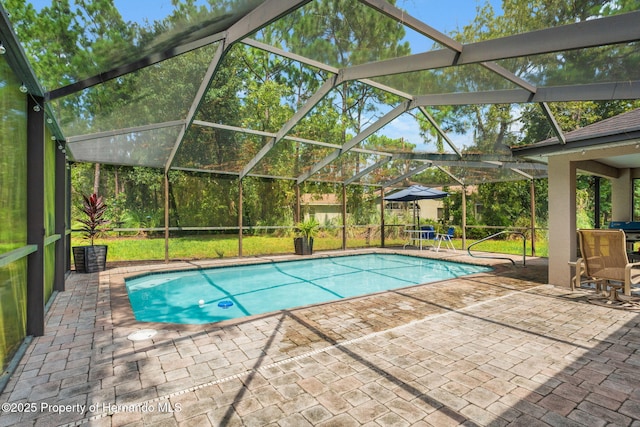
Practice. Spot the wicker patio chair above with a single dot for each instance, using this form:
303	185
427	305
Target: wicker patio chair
605	261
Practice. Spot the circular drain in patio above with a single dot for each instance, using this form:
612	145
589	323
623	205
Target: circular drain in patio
143	334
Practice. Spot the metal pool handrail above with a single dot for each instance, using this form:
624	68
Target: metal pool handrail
524	246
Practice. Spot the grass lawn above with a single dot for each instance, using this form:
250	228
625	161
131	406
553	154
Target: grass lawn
224	246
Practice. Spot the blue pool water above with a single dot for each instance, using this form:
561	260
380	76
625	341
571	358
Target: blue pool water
215	294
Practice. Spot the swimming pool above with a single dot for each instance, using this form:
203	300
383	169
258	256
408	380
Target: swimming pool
222	293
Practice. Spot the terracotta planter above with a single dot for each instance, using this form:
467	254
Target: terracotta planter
90	259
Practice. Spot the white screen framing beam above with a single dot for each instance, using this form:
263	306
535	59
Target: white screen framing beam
288	137
328	85
320	66
524	174
552	121
490	66
202	90
124	131
508	75
585	92
259	17
262	15
407	175
490	160
334	70
403	107
616	29
335	80
368	170
441	132
413	23
266	13
455	178
120	71
573	36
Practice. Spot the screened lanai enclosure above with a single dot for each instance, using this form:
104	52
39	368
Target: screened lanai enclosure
229	112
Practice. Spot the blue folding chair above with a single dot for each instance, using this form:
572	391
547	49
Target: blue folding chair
447	239
428	233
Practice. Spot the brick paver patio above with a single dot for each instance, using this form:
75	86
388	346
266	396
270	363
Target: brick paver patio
500	348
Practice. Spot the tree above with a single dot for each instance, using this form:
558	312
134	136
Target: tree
72	41
252	88
343	34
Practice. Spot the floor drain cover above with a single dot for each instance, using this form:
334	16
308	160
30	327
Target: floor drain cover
143	334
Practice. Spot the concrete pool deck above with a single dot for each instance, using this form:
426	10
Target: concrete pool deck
497	348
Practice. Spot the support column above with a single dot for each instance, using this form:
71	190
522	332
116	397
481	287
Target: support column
296	219
382	217
166	217
62	250
562	219
344	217
621	196
240	217
596	204
532	193
464	217
67	216
35	215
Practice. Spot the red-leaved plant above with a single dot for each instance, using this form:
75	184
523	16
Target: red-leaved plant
94	223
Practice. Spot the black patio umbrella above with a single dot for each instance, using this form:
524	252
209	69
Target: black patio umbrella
416	192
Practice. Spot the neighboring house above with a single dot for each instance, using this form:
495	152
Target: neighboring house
425	209
324	207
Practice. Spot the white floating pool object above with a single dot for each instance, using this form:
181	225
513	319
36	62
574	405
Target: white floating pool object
143	334
201	302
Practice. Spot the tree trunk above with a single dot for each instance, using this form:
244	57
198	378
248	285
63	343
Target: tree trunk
173	206
115	179
96	179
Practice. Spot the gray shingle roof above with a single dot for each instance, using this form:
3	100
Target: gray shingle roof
620	128
620	124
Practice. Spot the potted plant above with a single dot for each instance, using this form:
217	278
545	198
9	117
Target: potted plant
89	259
307	230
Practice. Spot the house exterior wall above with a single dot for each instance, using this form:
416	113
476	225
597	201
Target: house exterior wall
428	209
562	219
622	196
324	213
563	246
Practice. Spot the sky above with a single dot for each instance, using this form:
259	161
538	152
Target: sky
444	16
